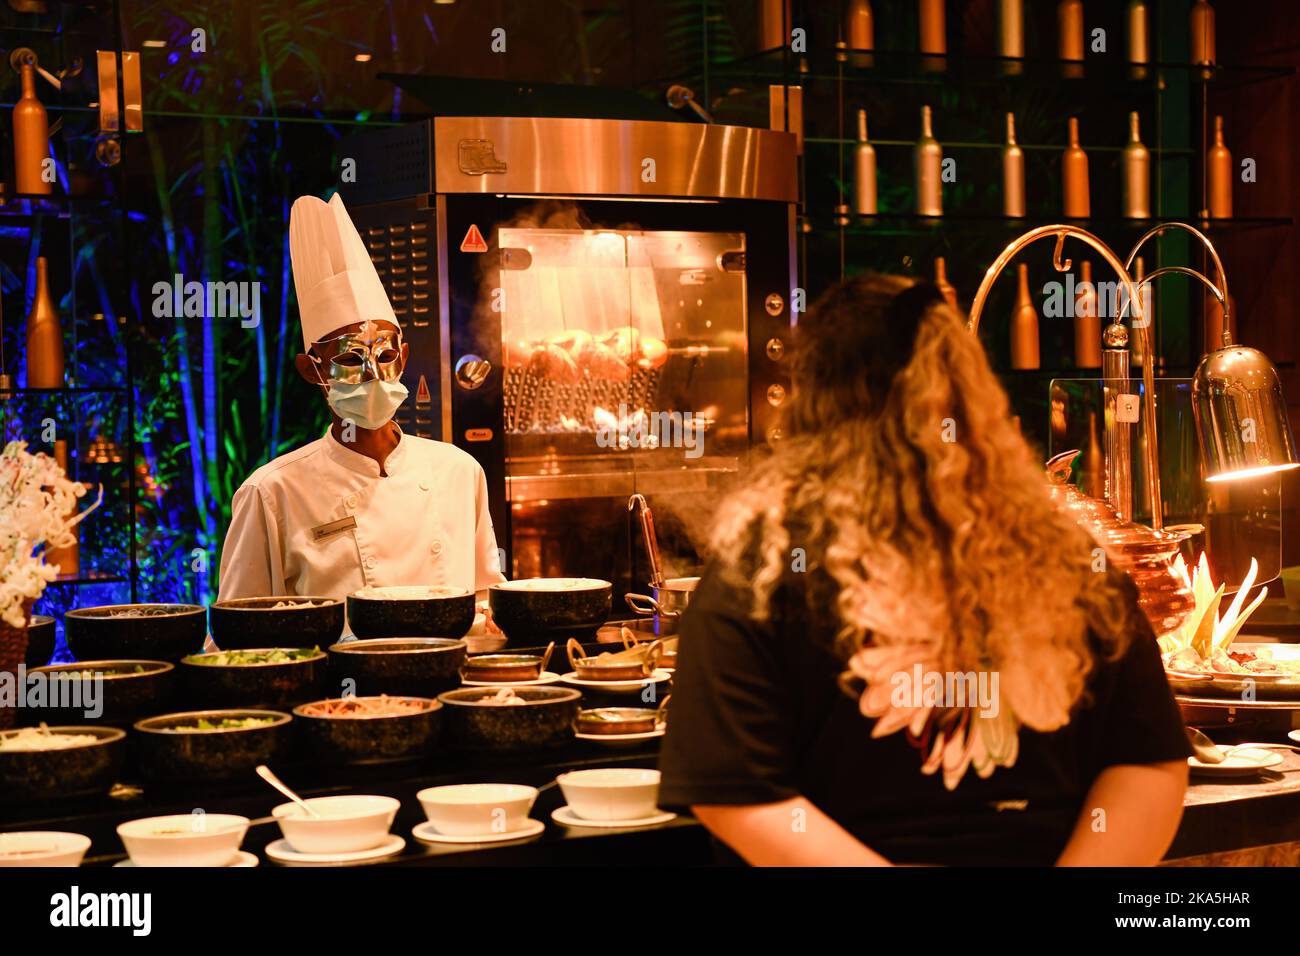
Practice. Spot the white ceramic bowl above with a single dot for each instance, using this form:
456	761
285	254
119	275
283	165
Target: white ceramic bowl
612	793
42	848
185	839
477	809
346	823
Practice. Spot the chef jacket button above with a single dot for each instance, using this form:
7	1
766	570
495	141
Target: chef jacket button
350	501
424	486
371	562
436	547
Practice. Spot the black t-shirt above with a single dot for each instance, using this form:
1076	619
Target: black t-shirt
758	716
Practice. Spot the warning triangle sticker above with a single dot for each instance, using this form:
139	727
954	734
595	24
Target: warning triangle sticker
422	396
473	241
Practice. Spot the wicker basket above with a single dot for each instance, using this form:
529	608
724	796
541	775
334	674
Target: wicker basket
13	651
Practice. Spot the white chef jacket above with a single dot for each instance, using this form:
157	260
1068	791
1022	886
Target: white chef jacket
321	521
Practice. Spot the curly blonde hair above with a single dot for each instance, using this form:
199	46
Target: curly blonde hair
903	472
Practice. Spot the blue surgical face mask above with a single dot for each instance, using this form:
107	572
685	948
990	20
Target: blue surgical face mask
369	404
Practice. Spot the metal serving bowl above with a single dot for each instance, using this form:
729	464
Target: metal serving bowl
40	641
544	719
155	632
594	669
366	739
87	770
492	668
411	612
406	666
269	684
166	754
245	623
535	610
128	691
617	720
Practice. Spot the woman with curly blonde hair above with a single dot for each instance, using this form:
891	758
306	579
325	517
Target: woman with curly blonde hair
902	652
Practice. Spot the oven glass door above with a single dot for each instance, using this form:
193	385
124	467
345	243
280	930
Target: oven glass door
625	357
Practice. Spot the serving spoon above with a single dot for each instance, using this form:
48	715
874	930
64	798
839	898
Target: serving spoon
265	773
1208	752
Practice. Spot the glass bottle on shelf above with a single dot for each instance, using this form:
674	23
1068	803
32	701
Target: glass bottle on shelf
860	30
1136	164
1024	324
934	34
1074	176
1069	37
1202	33
1139	41
1218	175
44	335
31	130
1011	34
1087	323
929	165
864	172
1013	173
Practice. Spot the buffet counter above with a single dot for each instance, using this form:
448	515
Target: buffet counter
681	841
1246	821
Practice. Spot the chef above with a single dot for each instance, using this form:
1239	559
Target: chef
366	505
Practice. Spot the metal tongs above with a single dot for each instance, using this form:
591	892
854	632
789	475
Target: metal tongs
651	541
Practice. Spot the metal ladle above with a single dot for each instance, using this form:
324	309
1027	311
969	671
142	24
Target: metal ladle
265	773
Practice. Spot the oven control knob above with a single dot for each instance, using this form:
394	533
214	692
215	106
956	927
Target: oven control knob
775	395
775	349
774	304
472	371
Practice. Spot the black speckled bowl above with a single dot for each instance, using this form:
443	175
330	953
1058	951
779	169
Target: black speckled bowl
252	685
538	610
411	612
40	641
364	739
82	771
404	666
245	623
128	691
165	754
544	720
157	632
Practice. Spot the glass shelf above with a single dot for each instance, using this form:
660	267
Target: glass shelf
1158	151
915	68
66	390
54	205
910	224
89	577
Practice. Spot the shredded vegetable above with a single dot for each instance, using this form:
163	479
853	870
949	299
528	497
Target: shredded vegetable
381	706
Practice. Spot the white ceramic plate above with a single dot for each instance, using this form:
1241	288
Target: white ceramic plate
426	833
242	859
1295	735
617	686
566	817
613	739
282	852
548	677
1237	762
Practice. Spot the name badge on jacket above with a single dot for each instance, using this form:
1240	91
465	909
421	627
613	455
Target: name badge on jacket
322	531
